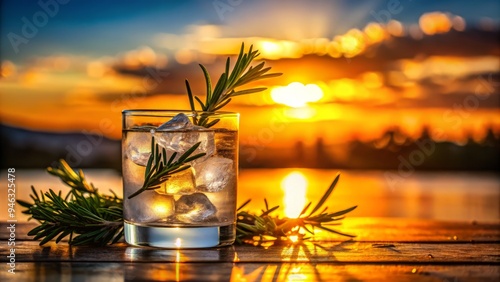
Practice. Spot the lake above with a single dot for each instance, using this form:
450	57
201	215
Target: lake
452	196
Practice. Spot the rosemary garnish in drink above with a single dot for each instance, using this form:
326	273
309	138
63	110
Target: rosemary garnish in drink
229	84
159	168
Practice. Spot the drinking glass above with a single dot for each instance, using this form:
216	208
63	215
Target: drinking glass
193	207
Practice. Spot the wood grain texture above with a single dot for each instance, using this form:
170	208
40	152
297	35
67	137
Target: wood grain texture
385	249
375	230
345	252
110	272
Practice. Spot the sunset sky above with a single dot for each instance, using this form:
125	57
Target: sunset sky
355	67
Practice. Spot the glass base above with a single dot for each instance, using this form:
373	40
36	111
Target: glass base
179	237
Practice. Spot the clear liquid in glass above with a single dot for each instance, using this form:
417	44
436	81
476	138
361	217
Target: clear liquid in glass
194	208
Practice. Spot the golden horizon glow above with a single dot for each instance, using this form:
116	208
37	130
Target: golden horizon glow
76	85
296	94
277	49
303	113
294	186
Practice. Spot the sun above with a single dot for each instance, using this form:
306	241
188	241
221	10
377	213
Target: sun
296	94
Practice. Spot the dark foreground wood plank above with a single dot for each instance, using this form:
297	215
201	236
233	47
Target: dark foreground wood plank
246	272
327	252
419	230
373	230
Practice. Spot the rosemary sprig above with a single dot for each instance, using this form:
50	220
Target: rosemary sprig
93	217
71	178
97	219
159	169
225	88
264	227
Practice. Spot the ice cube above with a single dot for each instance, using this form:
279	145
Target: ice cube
214	174
180	121
179	183
179	135
149	207
195	208
138	157
138	149
180	142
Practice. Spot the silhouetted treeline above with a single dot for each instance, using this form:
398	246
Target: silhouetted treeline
394	150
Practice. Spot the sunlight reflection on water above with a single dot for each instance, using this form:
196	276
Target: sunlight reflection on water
426	195
294	186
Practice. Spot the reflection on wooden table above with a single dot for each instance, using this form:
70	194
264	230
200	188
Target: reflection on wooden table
384	249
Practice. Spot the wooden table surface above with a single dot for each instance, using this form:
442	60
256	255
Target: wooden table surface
385	248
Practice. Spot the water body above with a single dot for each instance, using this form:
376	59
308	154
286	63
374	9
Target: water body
452	196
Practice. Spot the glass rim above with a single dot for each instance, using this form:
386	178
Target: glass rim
190	113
